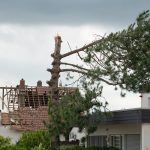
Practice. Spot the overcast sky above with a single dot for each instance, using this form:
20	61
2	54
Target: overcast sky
70	12
28	27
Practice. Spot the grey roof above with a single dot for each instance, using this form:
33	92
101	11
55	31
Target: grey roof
128	116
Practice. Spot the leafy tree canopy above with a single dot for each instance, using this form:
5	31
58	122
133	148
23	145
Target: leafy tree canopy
119	59
75	110
32	139
124	57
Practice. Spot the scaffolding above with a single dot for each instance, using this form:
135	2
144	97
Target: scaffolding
26	107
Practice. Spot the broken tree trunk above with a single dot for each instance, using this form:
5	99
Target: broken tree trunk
53	83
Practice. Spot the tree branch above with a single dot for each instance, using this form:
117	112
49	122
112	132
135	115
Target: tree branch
73	70
86	73
80	49
69	46
79	56
98	61
63	63
75	81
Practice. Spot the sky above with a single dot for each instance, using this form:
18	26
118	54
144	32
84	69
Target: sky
28	27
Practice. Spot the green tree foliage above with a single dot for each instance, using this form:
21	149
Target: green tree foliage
11	147
5	144
76	110
38	148
90	148
126	56
4	141
32	139
119	59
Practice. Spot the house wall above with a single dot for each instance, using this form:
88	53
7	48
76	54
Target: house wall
74	135
78	135
145	100
146	136
6	131
132	142
119	129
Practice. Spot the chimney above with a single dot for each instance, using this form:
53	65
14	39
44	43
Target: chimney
145	100
22	84
39	83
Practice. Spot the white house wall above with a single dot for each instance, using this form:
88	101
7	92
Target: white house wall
78	135
117	129
74	135
6	131
146	136
145	101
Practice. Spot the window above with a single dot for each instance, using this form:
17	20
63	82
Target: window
96	141
116	141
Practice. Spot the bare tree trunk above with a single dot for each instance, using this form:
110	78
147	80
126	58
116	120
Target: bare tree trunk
53	83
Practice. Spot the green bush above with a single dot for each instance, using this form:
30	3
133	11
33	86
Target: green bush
11	147
31	139
71	147
38	148
89	148
4	141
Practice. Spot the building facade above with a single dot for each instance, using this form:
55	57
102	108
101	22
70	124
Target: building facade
125	129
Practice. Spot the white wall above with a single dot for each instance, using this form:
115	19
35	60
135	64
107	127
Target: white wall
74	135
79	135
146	136
145	100
118	129
6	131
